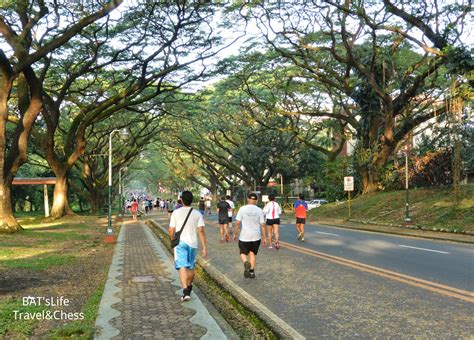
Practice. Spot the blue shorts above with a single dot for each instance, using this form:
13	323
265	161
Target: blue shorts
184	256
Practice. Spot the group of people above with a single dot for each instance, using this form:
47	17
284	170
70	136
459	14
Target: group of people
147	205
251	221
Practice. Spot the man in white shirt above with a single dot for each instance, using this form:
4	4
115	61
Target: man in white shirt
231	210
253	228
185	251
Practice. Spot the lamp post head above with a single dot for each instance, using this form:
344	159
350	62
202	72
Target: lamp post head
124	134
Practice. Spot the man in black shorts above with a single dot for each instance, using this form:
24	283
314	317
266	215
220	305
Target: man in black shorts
253	228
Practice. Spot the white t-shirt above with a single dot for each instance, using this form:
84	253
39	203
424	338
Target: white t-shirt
195	220
208	203
251	218
232	206
272	210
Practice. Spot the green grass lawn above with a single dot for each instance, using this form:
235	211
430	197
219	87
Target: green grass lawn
68	258
430	208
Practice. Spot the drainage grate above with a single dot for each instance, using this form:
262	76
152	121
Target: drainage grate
144	278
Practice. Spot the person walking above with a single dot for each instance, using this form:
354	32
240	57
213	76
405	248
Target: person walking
191	223
202	205
231	212
223	216
300	208
253	229
134	209
171	206
272	211
208	206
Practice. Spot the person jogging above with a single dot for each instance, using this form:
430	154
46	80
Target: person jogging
300	207
134	209
253	231
272	211
231	212
223	217
185	251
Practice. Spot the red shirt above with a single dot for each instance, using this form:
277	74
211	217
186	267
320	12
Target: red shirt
300	209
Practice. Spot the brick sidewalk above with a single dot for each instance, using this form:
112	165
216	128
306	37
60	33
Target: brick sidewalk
148	294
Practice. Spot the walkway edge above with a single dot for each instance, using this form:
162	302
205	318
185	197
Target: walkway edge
103	329
279	326
202	316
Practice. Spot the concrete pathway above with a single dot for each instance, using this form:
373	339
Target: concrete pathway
142	295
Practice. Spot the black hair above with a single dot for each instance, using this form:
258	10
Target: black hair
228	197
187	197
271	197
301	196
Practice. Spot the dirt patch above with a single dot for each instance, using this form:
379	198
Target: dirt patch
78	239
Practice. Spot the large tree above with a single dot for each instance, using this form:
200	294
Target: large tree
30	31
381	65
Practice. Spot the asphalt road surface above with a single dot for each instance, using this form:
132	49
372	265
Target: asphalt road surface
352	284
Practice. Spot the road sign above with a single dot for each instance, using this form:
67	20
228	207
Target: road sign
348	183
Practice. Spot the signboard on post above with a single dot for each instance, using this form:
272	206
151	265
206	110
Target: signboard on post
348	183
349	186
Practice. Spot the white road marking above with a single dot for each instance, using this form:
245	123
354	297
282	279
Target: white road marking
434	251
320	232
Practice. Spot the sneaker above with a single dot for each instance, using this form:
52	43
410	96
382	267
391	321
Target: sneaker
247	269
300	235
270	247
222	240
185	296
252	275
302	238
190	288
277	245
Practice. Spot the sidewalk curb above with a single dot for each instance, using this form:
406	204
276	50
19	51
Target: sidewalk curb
279	326
103	328
202	316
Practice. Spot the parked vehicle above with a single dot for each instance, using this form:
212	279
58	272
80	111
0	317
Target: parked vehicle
316	203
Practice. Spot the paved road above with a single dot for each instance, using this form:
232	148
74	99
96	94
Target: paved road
319	298
446	263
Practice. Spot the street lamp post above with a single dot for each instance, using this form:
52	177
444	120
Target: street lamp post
407	204
123	132
281	189
121	210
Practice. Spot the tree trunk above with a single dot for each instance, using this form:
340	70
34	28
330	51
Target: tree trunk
369	180
95	201
8	222
60	199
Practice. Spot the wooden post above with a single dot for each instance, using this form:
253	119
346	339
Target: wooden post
46	201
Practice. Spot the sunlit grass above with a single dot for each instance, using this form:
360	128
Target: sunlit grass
430	208
13	253
38	262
